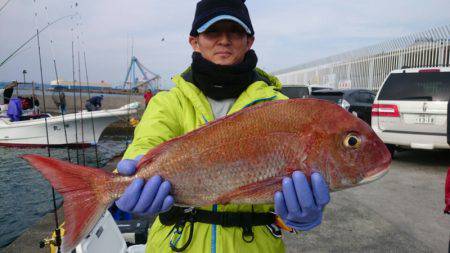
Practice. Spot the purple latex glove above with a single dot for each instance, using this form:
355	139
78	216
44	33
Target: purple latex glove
143	198
299	204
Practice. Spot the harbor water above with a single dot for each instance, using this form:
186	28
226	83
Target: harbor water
25	196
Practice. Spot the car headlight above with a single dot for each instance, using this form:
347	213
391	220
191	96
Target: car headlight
345	104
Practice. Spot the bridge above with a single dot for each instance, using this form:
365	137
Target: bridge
367	67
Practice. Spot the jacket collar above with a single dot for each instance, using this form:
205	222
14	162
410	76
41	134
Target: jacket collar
263	88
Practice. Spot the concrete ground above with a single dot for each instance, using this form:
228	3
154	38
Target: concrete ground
402	212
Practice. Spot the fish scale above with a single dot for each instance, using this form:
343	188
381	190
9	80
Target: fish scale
240	159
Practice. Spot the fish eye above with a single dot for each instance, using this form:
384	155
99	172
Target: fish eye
352	141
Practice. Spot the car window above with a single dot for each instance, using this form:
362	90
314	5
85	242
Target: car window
371	98
332	96
295	92
352	97
319	88
366	97
434	86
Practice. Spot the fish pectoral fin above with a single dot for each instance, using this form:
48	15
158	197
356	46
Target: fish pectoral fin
262	190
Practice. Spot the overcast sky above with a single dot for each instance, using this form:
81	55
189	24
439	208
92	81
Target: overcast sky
288	32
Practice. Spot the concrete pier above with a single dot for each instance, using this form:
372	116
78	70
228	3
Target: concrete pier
110	101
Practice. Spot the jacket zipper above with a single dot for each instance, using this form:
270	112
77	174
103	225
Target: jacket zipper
214	209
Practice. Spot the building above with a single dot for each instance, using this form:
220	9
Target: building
83	85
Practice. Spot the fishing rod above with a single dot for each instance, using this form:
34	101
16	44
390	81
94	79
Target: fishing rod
75	104
55	210
81	43
81	111
74	91
34	36
133	78
79	86
4	5
59	91
92	117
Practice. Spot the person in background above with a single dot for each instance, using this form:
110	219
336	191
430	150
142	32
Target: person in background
59	98
94	103
36	104
14	109
26	103
222	79
3	107
147	96
7	94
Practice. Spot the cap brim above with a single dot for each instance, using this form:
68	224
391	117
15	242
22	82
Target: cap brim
214	20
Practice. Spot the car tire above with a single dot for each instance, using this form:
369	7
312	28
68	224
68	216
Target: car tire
391	149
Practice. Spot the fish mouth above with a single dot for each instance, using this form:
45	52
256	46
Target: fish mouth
376	174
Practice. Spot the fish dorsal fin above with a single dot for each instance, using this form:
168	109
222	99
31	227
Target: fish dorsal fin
163	147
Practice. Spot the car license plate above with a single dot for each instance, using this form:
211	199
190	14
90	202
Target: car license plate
425	119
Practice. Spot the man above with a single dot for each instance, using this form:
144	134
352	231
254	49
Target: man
36	104
222	79
147	96
59	98
8	91
94	103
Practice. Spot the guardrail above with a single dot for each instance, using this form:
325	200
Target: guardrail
368	67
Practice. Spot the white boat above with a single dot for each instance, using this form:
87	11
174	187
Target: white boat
32	132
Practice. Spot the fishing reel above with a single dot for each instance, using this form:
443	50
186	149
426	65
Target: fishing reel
47	242
54	241
134	122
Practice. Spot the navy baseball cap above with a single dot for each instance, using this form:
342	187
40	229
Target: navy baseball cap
209	12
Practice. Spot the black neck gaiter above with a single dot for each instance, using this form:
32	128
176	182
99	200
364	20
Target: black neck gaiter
221	82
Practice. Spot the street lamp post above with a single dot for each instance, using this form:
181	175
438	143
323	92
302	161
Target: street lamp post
24	72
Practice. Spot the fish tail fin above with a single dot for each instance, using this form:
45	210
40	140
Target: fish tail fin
87	194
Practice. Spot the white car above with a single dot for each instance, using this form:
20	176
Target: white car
411	109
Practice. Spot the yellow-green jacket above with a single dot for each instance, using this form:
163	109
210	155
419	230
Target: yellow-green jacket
177	112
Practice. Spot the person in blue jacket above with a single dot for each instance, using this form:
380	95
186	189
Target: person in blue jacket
94	103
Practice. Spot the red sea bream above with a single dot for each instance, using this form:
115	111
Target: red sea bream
241	158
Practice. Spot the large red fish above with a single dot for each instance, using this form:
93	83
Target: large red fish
240	159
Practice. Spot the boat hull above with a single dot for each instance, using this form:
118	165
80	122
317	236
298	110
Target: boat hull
81	129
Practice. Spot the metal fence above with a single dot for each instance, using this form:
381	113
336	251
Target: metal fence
368	67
